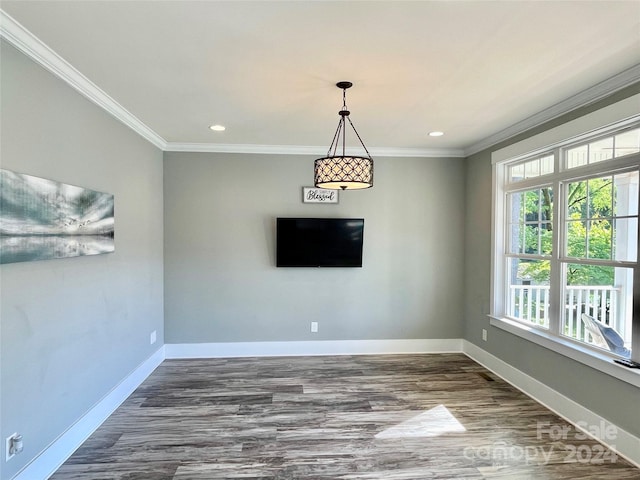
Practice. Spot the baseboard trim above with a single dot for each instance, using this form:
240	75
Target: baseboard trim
626	444
52	457
309	348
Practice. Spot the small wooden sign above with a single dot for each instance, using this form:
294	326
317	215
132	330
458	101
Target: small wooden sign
319	195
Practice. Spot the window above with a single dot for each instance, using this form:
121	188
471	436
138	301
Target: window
531	168
625	143
529	250
566	241
600	249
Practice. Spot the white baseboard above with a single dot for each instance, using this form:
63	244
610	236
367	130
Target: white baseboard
52	457
47	462
623	442
335	347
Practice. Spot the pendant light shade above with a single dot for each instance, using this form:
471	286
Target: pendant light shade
339	171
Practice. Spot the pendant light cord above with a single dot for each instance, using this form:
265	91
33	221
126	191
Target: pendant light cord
342	126
334	142
358	135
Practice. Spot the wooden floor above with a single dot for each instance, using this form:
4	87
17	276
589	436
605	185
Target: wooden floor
345	417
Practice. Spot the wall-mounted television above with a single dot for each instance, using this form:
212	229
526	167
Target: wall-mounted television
319	242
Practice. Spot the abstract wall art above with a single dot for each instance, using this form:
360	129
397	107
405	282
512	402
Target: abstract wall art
41	219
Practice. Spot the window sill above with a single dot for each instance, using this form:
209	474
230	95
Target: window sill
584	355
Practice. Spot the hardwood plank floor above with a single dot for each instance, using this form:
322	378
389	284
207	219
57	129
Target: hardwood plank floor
395	417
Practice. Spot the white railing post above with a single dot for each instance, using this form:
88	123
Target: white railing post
571	310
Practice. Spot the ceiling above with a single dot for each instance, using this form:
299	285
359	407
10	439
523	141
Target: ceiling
267	69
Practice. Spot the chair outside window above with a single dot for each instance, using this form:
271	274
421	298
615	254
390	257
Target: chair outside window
604	336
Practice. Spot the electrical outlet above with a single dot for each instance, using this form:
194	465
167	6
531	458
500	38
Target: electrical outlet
484	334
152	337
314	327
13	446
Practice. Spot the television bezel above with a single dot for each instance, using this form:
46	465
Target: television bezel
279	264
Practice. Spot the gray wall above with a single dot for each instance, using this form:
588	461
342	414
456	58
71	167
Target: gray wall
221	283
612	399
72	329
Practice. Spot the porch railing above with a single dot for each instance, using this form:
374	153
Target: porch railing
531	303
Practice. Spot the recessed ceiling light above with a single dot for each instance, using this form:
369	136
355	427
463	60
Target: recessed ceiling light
436	134
218	128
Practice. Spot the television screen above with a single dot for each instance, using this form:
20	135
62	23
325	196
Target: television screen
319	242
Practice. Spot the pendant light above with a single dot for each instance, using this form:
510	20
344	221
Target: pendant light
339	171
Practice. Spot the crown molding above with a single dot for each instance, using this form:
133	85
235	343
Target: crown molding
307	150
590	95
22	39
244	148
417	152
34	48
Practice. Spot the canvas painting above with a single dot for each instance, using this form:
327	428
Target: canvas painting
41	219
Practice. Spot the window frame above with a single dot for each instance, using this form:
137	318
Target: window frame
558	180
514	188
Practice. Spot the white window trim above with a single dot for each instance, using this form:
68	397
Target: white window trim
600	122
